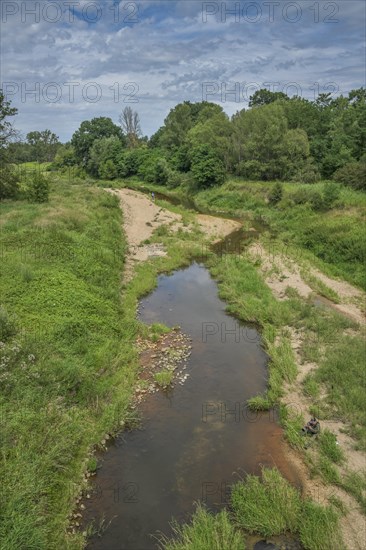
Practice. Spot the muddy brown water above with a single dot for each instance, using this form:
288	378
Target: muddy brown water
199	437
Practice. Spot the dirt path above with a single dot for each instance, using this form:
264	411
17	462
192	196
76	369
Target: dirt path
142	216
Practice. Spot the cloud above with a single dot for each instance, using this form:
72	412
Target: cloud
102	55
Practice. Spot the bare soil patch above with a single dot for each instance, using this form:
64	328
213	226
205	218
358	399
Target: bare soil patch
142	216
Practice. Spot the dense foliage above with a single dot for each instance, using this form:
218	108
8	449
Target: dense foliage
277	138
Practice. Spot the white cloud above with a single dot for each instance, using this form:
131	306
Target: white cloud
167	56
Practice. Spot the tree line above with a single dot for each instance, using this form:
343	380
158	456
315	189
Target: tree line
276	138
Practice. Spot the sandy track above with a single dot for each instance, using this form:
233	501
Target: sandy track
142	216
281	272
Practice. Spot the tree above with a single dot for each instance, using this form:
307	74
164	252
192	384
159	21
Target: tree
260	133
19	151
91	130
296	151
264	97
352	174
162	171
8	177
130	123
65	156
7	130
214	131
103	150
207	169
43	145
180	120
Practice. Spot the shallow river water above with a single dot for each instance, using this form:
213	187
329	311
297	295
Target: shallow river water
199	437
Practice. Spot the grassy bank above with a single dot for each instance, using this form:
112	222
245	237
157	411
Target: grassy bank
67	359
334	238
267	506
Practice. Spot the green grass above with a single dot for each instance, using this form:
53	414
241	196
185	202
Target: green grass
334	240
321	288
259	403
271	506
267	506
327	470
329	446
319	527
164	378
355	484
206	532
342	373
311	387
68	363
292	420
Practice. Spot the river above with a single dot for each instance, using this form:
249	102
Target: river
198	438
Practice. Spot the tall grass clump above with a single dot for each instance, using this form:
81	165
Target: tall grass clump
271	506
206	532
329	446
268	506
319	527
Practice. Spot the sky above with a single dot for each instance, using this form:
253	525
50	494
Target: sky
65	61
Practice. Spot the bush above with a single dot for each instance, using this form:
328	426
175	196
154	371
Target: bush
108	170
309	196
9	182
7	325
162	171
38	188
316	200
301	196
331	193
276	193
352	174
175	179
